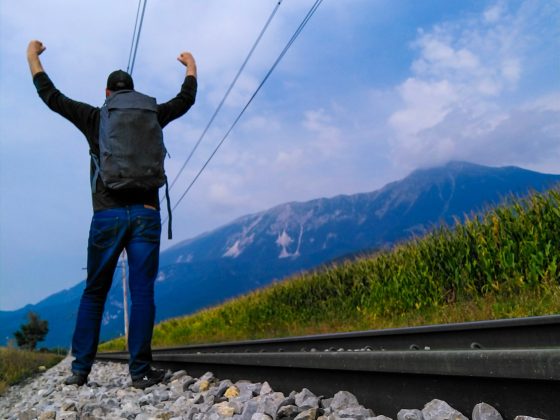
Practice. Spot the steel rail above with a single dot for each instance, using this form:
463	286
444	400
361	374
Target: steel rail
531	332
514	366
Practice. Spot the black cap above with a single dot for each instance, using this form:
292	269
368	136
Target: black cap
119	80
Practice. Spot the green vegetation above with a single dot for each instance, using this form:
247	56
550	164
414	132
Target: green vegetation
500	265
16	365
31	333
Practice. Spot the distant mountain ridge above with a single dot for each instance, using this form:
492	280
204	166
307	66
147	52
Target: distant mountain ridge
256	249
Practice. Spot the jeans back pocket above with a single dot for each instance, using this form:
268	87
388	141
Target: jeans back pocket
148	228
103	231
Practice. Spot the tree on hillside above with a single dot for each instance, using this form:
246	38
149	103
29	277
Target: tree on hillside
31	333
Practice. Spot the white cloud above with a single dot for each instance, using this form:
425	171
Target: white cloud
318	121
493	13
457	104
438	54
511	69
239	95
327	139
264	124
549	102
426	104
476	58
289	158
224	193
520	137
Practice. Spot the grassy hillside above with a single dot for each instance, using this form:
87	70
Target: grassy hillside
16	365
500	265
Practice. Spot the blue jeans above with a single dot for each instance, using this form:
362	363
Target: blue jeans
136	229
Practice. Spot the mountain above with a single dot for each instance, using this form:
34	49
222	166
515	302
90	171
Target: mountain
257	249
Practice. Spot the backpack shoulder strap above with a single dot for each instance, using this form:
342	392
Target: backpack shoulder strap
169	213
95	175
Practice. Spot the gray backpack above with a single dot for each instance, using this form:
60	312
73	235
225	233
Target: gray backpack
131	149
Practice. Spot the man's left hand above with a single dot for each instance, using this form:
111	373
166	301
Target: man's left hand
35	48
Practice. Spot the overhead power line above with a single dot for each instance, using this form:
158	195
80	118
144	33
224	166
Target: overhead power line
133	36
232	84
136	37
286	48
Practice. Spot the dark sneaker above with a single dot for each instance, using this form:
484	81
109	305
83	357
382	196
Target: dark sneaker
152	377
76	379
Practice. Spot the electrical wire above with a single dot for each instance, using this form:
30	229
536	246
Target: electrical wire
135	37
286	48
232	84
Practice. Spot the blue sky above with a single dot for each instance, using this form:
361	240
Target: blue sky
371	90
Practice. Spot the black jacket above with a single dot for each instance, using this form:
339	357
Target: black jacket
86	118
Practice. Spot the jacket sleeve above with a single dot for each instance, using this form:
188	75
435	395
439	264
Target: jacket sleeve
180	104
82	115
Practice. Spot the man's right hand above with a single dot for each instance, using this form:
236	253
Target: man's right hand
35	48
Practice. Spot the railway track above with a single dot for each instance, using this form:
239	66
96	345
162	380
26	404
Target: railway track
511	364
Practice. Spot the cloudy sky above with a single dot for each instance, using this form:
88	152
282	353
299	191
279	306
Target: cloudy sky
371	90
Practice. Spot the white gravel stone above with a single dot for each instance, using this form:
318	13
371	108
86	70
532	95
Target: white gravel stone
306	399
483	411
343	399
410	414
66	415
440	410
47	415
310	414
265	389
261	416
